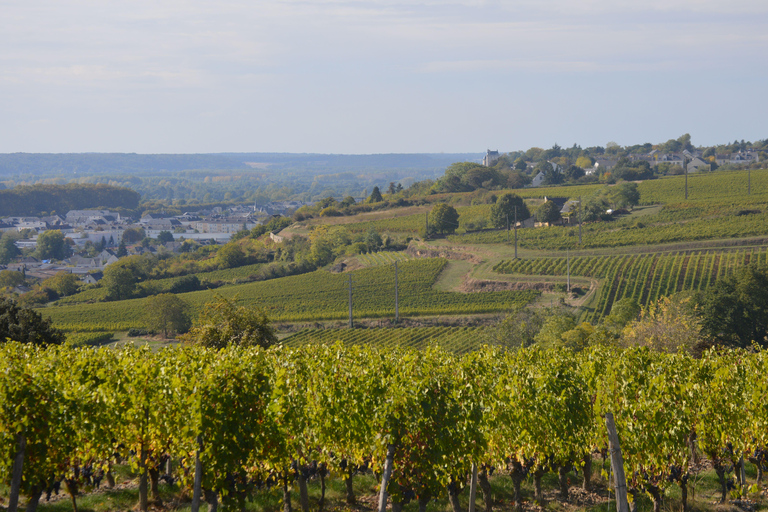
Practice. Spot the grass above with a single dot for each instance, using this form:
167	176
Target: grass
703	493
452	276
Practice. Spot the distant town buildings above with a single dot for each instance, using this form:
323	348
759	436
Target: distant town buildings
106	229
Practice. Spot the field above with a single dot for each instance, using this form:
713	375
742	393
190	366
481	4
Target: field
642	277
228	276
319	295
454	339
717	207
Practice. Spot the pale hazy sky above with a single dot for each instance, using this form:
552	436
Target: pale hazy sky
171	76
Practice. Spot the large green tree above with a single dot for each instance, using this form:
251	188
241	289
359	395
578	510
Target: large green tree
625	195
119	281
735	309
443	218
10	278
51	245
8	249
548	212
63	283
168	313
224	323
133	235
503	212
25	325
231	255
375	196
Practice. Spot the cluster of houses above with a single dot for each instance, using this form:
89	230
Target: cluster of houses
105	229
693	161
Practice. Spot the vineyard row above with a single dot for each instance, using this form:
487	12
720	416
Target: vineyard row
249	416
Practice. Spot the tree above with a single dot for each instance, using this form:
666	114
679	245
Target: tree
594	209
10	278
51	245
625	195
553	328
584	162
63	283
165	237
623	311
551	176
517	329
133	235
231	256
372	240
121	250
685	141
224	323
548	212
503	212
670	324
443	218
375	196
8	249
735	309
574	172
119	281
26	326
168	313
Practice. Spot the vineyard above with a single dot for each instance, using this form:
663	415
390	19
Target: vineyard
452	339
674	223
707	186
246	421
642	277
230	276
319	295
718	208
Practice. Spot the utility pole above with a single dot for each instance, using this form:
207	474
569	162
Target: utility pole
351	325
579	221
568	263
397	298
685	168
515	232
749	182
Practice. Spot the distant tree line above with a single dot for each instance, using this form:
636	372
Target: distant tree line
37	200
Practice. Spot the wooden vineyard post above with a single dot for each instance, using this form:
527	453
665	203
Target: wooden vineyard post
385	477
617	464
473	488
197	491
18	464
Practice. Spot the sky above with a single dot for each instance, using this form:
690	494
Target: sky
378	76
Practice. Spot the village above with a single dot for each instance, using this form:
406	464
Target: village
98	238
